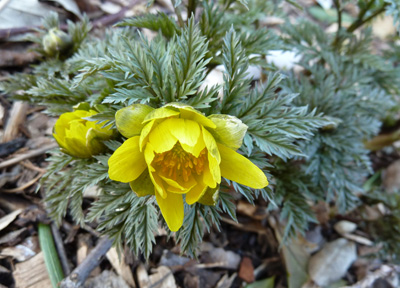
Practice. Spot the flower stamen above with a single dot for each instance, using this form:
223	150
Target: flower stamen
178	163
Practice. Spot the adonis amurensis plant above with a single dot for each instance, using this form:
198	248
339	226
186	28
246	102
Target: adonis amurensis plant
137	122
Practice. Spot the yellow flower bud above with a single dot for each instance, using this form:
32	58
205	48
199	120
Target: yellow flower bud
79	137
57	42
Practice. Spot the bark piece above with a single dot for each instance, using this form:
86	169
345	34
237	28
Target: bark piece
32	273
11	146
17	118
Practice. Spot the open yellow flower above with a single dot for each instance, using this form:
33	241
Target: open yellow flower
79	137
175	150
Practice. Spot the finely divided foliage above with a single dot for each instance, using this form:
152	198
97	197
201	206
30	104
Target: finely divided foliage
305	131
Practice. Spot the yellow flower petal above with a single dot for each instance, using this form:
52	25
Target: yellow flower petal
214	158
143	185
127	162
76	148
238	168
160	113
129	119
211	145
157	181
208	178
76	130
186	131
196	193
179	188
145	134
230	130
196	149
60	140
172	210
93	141
161	138
188	112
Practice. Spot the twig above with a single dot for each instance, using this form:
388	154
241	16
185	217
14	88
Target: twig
249	228
360	21
23	187
338	5
30	154
178	14
103	21
60	249
28	164
78	277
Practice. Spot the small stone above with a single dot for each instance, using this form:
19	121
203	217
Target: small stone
344	227
332	262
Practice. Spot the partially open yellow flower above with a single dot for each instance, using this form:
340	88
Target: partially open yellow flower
176	150
79	137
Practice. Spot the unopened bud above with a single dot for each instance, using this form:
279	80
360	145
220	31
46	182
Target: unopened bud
57	42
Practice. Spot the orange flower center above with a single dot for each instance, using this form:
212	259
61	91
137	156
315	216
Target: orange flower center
177	163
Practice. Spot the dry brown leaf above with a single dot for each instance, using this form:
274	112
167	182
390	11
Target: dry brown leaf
386	272
359	239
6	220
391	179
14	237
83	248
20	13
252	211
107	279
142	276
226	281
23	251
162	278
120	266
246	270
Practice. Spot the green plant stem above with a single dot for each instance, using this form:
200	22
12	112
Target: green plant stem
191	8
178	14
338	6
50	254
357	23
361	21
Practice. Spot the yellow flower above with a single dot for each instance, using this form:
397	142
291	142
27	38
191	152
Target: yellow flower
175	150
79	137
